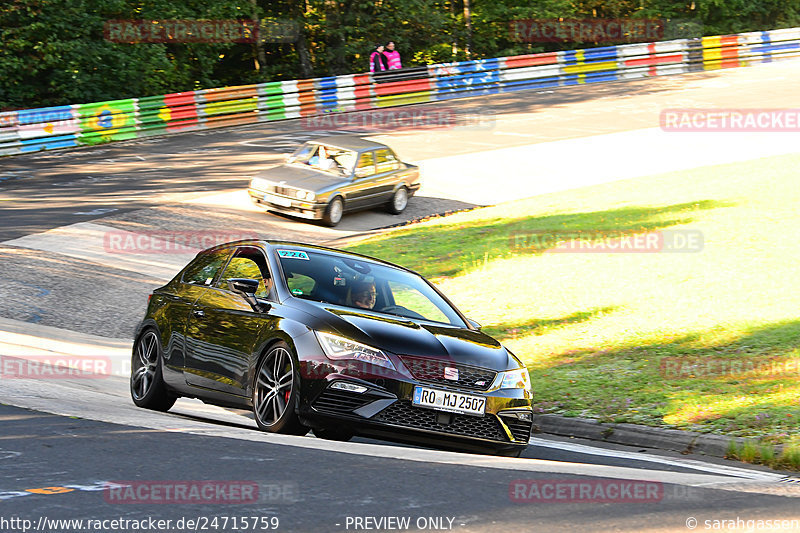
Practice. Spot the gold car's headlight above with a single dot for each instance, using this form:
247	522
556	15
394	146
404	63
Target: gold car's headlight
304	195
258	183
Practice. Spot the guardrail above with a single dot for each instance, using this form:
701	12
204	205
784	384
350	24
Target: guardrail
89	124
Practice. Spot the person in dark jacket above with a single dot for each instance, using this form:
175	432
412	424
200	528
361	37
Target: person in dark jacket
377	60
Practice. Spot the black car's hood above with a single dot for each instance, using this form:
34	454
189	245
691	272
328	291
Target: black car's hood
300	176
405	337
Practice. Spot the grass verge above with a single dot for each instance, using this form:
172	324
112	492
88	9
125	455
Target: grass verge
703	337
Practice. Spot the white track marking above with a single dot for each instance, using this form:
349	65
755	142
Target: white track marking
658	459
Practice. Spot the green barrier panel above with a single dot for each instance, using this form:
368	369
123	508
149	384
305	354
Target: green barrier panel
104	122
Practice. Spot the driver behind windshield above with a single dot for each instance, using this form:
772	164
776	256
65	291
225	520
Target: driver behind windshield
363	294
320	159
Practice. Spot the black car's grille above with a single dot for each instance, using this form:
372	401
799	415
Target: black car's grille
432	371
338	402
402	413
521	429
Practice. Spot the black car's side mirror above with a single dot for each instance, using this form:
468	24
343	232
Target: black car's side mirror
247	288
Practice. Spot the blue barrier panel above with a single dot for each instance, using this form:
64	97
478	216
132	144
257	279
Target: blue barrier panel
327	93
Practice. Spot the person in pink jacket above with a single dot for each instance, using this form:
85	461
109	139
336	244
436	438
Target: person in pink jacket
393	56
377	60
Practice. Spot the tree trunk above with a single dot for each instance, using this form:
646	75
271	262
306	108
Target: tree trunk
306	71
298	11
260	57
468	23
453	20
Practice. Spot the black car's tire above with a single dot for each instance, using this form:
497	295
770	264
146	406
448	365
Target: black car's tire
334	211
398	202
276	390
147	385
328	433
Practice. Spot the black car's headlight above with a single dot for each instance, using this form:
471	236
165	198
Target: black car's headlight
336	347
516	379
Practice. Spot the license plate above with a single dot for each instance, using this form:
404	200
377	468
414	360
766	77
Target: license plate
277	200
452	402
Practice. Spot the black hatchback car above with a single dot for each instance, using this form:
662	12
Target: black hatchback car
315	338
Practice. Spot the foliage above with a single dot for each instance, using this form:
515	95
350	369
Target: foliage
704	341
54	51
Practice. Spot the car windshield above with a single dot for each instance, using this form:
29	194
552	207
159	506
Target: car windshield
336	161
363	285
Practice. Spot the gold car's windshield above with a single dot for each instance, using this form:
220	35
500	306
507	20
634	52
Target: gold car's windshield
329	159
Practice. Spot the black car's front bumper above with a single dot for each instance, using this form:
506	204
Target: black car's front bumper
387	412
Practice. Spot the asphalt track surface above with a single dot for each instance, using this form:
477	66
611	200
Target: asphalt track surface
60	468
78	435
50	189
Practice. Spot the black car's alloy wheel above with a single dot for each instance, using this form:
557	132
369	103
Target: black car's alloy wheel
398	202
275	392
333	214
147	384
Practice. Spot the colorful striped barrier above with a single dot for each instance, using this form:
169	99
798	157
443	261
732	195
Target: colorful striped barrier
103	122
47	128
158	115
51	128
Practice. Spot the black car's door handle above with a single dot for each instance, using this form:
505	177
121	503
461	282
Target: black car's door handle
199	313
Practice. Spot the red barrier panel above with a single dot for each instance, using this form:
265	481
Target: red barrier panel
532	60
363	92
307	97
729	51
398	87
182	110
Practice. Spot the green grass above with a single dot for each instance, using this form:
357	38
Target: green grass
752	452
629	337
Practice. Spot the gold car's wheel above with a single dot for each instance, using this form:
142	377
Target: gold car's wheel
399	201
333	214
